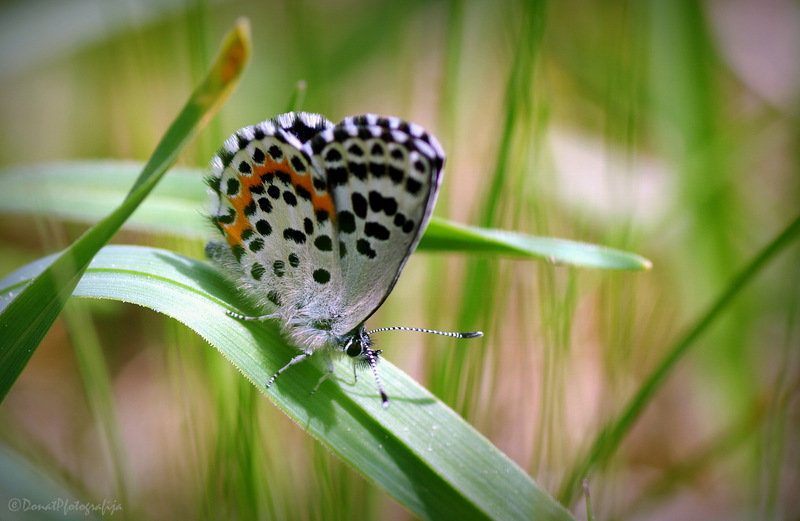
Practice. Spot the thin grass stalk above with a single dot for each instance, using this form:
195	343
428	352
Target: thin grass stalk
612	435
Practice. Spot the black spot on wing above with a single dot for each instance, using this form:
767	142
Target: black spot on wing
323	243
275	152
232	186
365	248
257	271
279	268
359	205
347	221
377	230
256	245
321	276
263	227
293	235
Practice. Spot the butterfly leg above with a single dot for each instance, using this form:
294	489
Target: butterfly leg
328	373
296	360
239	316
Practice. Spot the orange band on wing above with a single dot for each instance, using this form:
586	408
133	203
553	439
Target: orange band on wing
233	231
320	202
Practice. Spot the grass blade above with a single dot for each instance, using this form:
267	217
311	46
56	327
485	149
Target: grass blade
26	320
419	451
86	190
444	235
614	432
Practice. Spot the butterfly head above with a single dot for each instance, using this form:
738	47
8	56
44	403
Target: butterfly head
358	346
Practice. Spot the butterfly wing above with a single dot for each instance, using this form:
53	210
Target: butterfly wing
383	175
319	219
276	215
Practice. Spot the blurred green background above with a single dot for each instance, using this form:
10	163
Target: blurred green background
665	128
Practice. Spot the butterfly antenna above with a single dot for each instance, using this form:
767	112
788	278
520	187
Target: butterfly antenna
373	363
469	334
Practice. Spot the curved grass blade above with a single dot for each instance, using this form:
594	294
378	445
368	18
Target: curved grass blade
419	451
87	190
612	435
24	322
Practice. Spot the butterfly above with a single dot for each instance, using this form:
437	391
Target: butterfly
317	221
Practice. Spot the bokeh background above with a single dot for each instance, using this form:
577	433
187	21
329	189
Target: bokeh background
665	128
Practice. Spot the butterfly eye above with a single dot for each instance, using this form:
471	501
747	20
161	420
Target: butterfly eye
354	349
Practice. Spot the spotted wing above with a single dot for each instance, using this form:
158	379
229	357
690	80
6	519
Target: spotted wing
383	175
276	214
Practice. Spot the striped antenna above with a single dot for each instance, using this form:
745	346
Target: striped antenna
372	355
470	334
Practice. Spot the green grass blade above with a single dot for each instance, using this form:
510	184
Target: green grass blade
87	190
298	97
614	432
419	451
517	103
29	316
448	236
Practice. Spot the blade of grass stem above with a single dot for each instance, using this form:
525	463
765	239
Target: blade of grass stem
612	435
85	190
26	320
419	451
